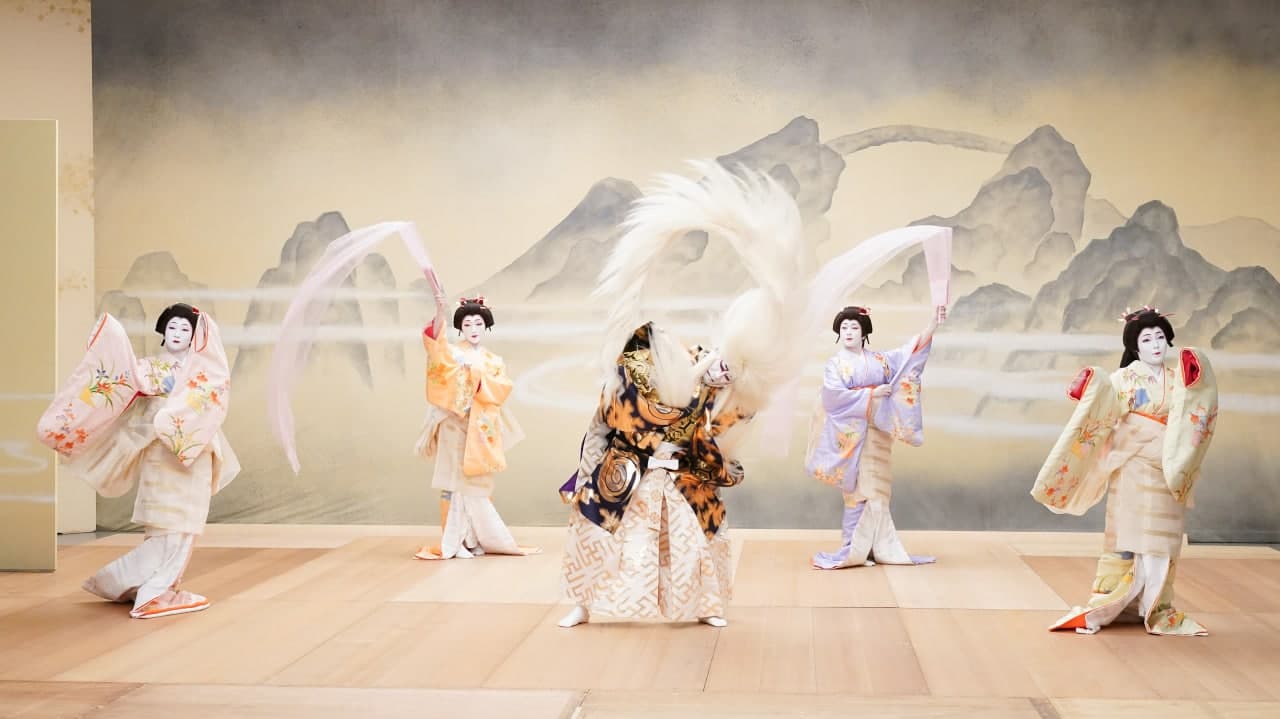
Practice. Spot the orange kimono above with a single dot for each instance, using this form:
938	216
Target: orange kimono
474	393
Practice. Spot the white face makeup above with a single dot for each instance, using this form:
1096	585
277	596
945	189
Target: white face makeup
177	335
1152	345
851	334
718	374
472	328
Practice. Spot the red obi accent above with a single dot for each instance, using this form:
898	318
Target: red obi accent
429	331
1076	389
1190	368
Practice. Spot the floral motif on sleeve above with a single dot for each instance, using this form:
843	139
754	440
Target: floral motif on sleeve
1202	422
104	385
66	438
1090	432
203	394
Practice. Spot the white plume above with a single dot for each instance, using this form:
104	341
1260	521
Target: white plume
760	221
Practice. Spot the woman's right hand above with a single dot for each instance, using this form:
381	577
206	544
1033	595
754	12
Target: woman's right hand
881	391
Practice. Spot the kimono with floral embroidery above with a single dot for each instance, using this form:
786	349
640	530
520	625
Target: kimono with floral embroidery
475	394
850	443
1137	437
847	410
155	421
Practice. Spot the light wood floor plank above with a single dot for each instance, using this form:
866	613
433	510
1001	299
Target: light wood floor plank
779	574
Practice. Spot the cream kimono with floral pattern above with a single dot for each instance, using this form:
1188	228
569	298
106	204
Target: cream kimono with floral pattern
1137	437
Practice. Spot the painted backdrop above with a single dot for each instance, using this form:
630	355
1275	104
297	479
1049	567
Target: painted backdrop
1090	156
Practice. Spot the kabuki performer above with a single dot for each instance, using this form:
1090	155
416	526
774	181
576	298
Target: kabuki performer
155	421
468	430
648	535
868	400
1138	436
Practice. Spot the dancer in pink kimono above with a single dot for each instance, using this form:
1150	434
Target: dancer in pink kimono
155	421
869	399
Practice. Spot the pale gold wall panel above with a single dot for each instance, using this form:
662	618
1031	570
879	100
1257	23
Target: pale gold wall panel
28	314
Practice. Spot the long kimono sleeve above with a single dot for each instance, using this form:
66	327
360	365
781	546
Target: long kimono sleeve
99	390
197	404
591	453
901	414
839	429
493	386
1068	482
489	386
1193	413
448	381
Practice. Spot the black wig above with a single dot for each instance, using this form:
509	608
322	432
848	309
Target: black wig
472	307
860	314
180	309
1134	324
640	339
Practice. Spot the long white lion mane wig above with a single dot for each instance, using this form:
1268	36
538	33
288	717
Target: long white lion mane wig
761	222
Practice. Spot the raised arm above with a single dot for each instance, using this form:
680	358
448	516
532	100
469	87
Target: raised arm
926	336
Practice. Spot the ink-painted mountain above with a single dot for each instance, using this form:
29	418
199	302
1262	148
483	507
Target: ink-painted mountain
1237	242
151	273
297	256
1142	262
1100	218
989	308
564	264
1020	230
1060	165
1243	314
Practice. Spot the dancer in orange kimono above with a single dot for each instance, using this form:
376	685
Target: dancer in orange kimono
468	431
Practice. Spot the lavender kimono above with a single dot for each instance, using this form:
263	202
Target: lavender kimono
850	443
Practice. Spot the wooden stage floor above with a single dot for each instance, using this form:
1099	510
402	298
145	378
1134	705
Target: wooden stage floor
325	621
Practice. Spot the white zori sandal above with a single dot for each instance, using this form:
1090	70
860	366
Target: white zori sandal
181	602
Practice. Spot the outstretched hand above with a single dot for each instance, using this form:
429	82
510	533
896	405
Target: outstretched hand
437	289
939	316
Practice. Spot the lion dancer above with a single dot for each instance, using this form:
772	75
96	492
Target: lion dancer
648	532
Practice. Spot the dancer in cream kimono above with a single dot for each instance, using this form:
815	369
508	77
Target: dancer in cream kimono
648	536
156	421
1137	436
868	400
468	431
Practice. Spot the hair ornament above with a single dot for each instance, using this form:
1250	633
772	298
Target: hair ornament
1132	314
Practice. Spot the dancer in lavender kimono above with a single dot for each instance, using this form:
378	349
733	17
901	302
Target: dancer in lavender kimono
868	400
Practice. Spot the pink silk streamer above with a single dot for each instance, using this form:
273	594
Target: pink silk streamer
840	277
937	258
307	310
